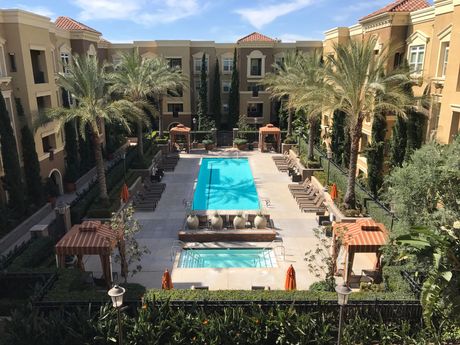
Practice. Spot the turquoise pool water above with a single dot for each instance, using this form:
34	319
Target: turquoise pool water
227	258
225	184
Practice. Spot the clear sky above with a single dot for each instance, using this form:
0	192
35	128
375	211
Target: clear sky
213	20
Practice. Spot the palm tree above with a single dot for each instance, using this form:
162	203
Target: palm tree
299	75
88	83
137	79
356	84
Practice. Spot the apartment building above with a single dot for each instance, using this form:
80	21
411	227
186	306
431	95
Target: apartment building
256	54
428	36
32	48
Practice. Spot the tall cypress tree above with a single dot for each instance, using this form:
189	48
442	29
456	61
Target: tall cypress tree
86	151
234	95
13	177
375	154
216	103
338	136
398	142
415	129
202	111
71	150
31	167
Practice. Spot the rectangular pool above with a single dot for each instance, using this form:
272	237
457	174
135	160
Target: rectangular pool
227	258
225	184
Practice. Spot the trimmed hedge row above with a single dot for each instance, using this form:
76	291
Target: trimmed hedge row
273	295
35	257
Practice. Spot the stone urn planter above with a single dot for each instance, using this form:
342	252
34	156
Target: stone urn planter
239	222
216	221
260	221
192	221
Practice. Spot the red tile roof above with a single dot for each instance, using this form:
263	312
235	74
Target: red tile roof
256	37
70	24
400	6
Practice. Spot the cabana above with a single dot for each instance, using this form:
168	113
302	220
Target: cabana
88	238
266	131
363	236
179	130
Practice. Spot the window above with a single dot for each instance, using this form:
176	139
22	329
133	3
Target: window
175	108
2	68
255	87
416	56
49	142
226	85
43	102
225	108
444	57
279	60
255	109
38	66
12	62
227	65
397	60
175	63
197	85
65	59
256	67
197	65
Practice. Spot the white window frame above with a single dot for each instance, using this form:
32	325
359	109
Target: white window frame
227	62
256	54
3	69
416	67
65	60
224	83
225	108
445	58
197	65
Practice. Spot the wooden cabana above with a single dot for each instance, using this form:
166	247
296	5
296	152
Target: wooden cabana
363	236
179	130
88	238
267	130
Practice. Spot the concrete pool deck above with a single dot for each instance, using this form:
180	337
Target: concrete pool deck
160	228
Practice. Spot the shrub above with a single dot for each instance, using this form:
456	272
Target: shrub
322	285
290	140
208	142
394	281
36	254
240	141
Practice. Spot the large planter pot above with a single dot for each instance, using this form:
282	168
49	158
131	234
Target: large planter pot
209	147
239	222
216	222
193	222
260	222
242	147
69	187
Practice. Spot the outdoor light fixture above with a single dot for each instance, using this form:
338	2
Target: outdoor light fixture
329	157
116	294
343	292
61	207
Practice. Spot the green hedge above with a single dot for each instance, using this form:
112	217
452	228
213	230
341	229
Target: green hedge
71	285
38	256
273	295
394	281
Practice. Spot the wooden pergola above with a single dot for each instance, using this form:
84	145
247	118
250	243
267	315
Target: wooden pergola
363	236
88	238
179	130
267	130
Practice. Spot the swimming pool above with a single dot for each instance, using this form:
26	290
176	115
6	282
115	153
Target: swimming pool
227	258
225	184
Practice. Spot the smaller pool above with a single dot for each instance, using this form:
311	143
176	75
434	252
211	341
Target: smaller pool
227	258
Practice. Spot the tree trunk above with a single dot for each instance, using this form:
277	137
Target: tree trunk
100	167
160	116
289	124
140	141
311	139
350	197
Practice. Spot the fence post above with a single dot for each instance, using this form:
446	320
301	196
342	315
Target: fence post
235	133
214	135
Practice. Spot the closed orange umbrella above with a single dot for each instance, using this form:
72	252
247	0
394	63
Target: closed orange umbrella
334	193
290	283
124	195
166	282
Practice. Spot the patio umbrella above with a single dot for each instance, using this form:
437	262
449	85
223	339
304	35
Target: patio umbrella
124	195
166	282
290	283
334	193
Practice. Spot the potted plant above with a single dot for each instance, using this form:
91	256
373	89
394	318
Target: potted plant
240	143
208	144
216	221
52	191
239	222
192	221
260	222
288	143
70	177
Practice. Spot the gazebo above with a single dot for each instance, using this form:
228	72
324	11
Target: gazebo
179	130
267	130
363	236
88	238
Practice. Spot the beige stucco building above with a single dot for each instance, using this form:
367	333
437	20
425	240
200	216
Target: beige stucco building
428	36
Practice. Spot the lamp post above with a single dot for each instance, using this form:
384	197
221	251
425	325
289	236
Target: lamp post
329	157
116	294
194	127
343	292
123	156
